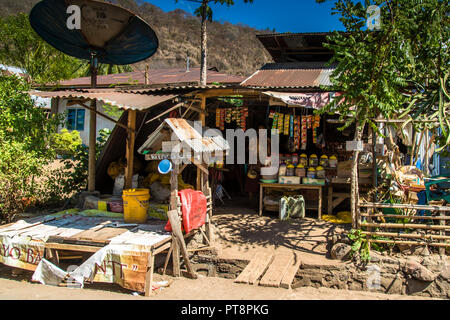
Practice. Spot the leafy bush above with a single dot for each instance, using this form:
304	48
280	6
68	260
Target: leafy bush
25	135
65	142
18	169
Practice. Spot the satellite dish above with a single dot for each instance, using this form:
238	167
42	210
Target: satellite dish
107	34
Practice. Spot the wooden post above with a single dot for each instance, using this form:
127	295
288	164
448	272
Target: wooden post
355	180
203	121
175	257
178	237
131	137
149	274
442	233
174	207
92	145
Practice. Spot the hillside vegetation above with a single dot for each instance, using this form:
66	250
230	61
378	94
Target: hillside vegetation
232	48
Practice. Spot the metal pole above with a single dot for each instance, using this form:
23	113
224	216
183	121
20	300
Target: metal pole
375	167
92	127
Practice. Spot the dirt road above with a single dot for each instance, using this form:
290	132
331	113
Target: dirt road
181	289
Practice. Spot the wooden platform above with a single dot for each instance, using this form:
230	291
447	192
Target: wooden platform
257	266
85	234
276	270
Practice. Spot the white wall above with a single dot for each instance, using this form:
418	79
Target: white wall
102	122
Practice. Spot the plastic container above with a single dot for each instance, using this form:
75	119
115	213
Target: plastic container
135	205
320	172
303	160
300	171
313	161
311	173
295	159
282	170
290	172
324	162
333	162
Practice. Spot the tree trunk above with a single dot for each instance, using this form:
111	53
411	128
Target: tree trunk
354	179
204	46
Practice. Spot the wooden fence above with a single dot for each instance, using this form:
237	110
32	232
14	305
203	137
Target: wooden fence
406	231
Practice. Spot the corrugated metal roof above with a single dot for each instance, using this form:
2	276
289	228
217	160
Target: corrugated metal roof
123	100
187	134
284	47
156	77
168	89
290	75
315	100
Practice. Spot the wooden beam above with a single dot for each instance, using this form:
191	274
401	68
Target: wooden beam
92	145
104	116
406	235
71	247
176	229
433	244
149	274
131	137
404	206
165	112
405	226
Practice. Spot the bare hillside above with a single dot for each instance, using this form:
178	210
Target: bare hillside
232	48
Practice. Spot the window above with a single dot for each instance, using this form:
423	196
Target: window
75	119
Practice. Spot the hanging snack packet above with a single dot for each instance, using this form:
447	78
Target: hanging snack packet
281	122
218	118
304	135
287	120
275	121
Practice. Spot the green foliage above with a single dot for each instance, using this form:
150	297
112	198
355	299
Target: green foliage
21	47
360	244
112	111
65	142
363	247
402	69
204	10
23	122
25	135
84	69
18	167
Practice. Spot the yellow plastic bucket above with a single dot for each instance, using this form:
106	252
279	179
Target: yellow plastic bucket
135	205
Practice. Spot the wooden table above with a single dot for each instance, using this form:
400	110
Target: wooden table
336	198
263	186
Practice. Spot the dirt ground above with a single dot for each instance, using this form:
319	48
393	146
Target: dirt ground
240	234
180	289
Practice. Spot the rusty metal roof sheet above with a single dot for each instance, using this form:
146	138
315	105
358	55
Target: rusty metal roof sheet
187	133
123	100
290	75
285	47
156	77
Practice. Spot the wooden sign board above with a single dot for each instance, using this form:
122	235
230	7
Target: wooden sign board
355	146
166	156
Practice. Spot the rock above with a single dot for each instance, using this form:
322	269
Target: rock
392	285
375	256
418	271
404	248
446	272
420	251
341	251
414	287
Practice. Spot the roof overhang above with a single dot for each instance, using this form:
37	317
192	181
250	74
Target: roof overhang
314	100
123	100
